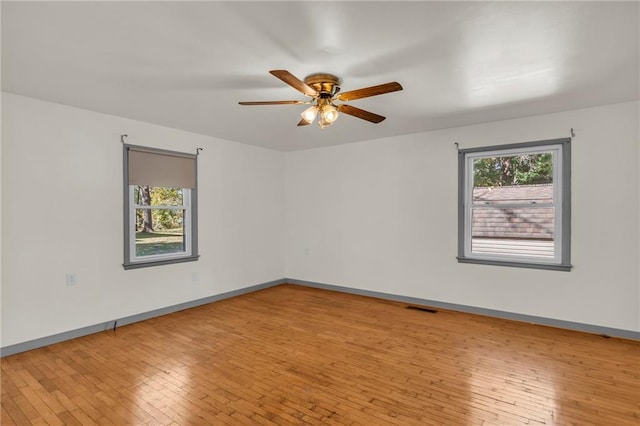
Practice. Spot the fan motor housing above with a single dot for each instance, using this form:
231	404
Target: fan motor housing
324	83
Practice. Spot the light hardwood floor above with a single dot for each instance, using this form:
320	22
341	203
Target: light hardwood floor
295	355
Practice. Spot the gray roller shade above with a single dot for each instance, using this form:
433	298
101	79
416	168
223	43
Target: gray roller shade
157	168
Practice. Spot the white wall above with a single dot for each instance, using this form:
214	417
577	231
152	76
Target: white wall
382	216
377	215
62	212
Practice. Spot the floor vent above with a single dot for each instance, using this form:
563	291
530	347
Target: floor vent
420	308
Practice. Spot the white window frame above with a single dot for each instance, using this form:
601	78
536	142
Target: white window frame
186	224
560	148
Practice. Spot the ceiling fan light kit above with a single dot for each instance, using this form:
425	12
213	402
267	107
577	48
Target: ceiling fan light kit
309	114
323	88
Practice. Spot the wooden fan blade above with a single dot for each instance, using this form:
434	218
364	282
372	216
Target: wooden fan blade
273	103
303	122
294	82
360	113
370	91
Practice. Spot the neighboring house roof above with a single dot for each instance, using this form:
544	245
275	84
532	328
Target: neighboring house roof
521	222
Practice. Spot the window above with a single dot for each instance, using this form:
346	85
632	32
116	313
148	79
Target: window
160	200
514	205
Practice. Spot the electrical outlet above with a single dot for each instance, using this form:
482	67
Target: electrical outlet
72	279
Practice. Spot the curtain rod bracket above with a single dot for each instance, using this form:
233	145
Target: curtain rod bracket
122	138
198	150
457	145
573	135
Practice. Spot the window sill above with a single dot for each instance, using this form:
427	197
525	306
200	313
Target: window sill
138	265
530	265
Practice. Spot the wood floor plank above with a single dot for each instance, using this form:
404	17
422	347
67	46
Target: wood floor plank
295	355
12	413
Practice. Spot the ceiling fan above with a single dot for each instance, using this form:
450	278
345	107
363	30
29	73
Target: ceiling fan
323	89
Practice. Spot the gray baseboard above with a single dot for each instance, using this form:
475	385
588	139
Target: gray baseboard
587	328
118	322
109	325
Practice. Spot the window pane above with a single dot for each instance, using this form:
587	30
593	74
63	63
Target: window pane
157	196
527	231
159	231
515	194
522	178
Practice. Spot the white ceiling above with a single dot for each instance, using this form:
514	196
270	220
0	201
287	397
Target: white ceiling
187	64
